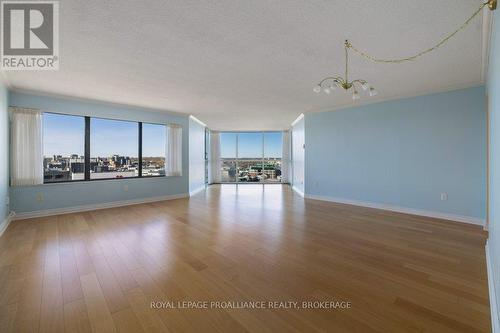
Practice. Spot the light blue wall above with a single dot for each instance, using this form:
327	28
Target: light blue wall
298	137
196	155
403	153
23	199
493	89
4	153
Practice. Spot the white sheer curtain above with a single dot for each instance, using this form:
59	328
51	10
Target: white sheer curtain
285	158
26	166
215	161
174	150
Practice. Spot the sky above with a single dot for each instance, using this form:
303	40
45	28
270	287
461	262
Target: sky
250	144
65	135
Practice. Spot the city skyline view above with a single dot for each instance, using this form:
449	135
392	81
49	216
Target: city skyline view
251	156
114	148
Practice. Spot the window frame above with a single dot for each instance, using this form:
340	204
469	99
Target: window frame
87	134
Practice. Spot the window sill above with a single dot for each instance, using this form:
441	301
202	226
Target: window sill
101	180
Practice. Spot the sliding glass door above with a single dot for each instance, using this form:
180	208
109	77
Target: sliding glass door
251	157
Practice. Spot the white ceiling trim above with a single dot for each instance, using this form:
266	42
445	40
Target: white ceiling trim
198	121
298	119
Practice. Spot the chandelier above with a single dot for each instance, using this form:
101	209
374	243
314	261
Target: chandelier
329	84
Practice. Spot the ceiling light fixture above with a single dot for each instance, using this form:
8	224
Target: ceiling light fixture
328	84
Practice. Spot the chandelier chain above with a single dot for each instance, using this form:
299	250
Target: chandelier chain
444	40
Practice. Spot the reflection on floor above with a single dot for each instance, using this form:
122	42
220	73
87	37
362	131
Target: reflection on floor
356	269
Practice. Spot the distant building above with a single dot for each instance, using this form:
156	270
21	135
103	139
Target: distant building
58	168
54	175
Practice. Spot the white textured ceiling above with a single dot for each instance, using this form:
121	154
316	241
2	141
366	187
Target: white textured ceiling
251	65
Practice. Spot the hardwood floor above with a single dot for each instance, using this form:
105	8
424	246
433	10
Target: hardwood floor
99	271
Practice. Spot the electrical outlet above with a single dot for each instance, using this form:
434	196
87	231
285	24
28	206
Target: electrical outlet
444	196
7	201
39	197
125	188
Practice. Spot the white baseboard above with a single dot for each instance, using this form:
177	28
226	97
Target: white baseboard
85	208
405	210
198	190
299	192
495	320
5	223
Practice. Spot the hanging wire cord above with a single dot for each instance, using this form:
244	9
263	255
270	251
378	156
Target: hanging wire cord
444	40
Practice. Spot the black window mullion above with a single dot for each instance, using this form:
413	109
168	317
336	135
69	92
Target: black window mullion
140	150
87	149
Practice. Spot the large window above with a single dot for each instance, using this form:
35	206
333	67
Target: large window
114	149
63	148
251	157
82	148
